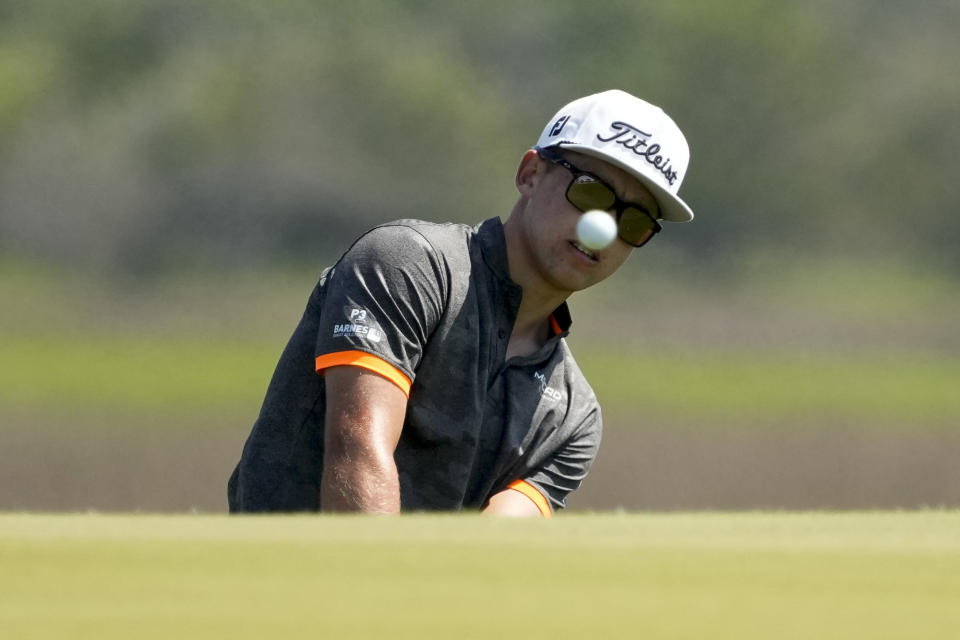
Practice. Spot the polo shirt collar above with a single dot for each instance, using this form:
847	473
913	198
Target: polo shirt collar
493	245
562	317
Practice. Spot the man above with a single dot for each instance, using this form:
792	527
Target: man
430	370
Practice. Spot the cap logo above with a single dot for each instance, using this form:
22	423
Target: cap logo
559	125
638	141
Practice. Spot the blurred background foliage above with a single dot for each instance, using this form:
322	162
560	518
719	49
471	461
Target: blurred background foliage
143	136
175	174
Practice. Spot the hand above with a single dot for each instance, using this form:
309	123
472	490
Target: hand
512	503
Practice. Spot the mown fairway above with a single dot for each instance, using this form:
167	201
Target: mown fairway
709	575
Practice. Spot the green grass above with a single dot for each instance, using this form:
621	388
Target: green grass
909	389
708	575
129	373
122	373
206	345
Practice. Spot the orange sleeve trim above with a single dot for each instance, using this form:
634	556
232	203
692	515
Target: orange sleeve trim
531	492
556	325
365	361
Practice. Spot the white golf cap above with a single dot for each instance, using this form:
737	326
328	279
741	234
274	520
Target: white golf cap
629	133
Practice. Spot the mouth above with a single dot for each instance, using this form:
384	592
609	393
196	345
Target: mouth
586	252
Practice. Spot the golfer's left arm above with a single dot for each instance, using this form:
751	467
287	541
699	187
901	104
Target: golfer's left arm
544	489
515	504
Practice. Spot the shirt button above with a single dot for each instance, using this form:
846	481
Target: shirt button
502	334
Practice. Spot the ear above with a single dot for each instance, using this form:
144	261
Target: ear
531	168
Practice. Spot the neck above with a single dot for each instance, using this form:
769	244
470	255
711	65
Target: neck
535	311
532	326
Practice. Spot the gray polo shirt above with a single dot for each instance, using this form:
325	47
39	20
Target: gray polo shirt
431	307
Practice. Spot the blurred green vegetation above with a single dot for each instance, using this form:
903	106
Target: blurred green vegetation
129	373
174	175
75	345
143	136
785	389
710	389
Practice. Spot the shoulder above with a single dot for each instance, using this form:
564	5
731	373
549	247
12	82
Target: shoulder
582	395
442	237
407	254
406	239
572	371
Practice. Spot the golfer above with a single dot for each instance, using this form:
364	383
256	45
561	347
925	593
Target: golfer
430	369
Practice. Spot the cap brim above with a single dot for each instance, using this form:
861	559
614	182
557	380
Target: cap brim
672	208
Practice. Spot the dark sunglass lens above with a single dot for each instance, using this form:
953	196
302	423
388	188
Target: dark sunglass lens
636	227
586	193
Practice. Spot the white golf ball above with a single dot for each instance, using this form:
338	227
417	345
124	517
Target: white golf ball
596	229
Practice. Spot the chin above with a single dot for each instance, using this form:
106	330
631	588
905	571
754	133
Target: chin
572	284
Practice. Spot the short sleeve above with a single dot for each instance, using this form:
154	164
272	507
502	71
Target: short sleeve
564	471
381	303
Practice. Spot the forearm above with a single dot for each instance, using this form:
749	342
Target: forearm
369	486
364	417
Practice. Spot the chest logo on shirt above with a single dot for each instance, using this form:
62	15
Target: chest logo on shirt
547	392
357	326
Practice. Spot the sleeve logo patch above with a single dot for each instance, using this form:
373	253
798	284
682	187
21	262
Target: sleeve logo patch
357	326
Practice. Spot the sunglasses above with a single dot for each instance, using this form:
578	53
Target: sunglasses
635	225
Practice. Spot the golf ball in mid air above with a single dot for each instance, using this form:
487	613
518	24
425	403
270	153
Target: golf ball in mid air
596	229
